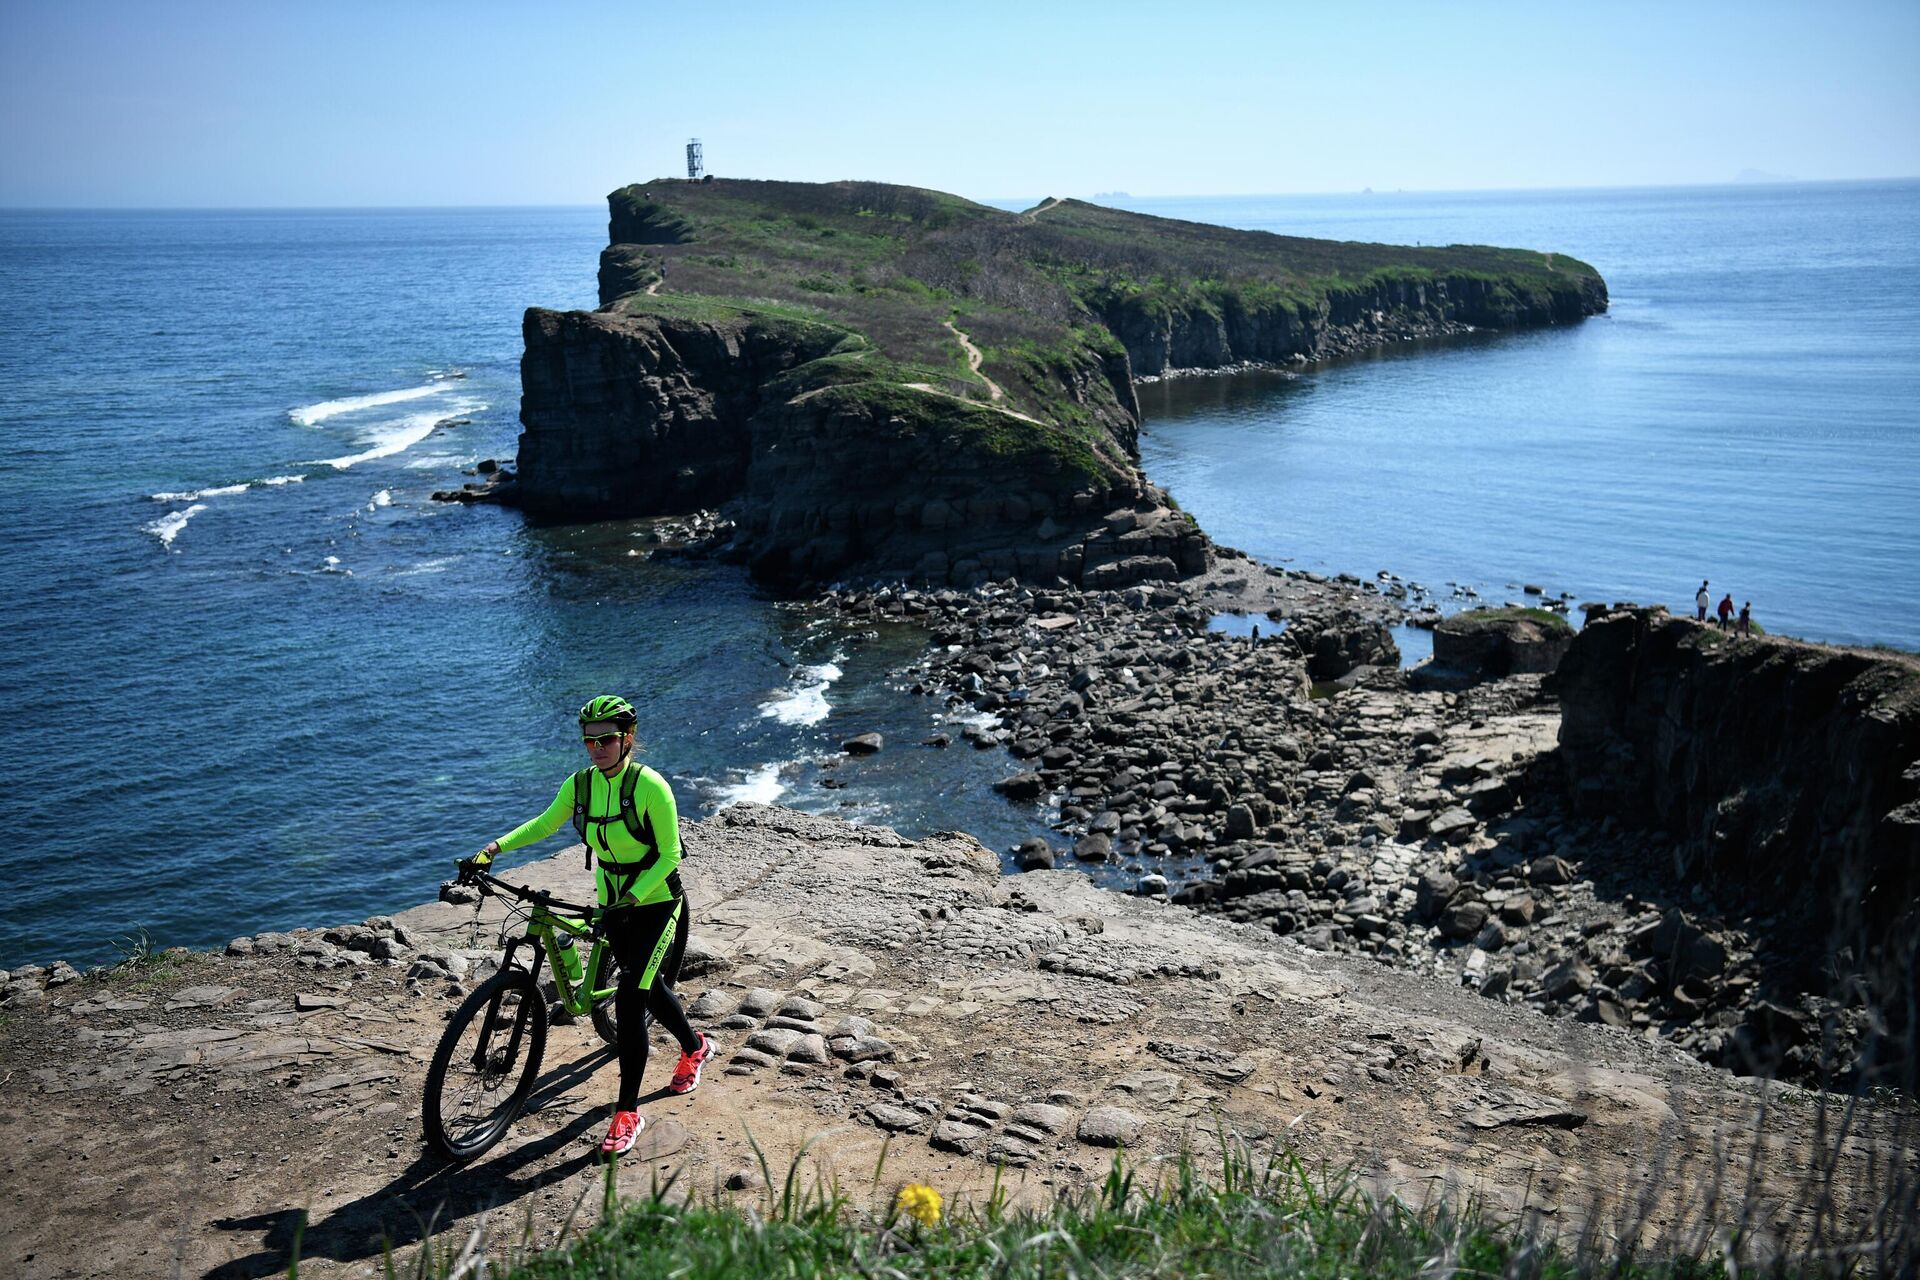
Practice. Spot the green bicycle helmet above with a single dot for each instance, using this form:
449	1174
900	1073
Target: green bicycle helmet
609	706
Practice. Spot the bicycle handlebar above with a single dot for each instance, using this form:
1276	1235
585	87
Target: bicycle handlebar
489	882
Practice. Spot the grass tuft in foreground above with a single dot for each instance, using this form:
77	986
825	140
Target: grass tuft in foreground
1254	1220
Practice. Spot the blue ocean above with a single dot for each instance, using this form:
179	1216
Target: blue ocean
256	678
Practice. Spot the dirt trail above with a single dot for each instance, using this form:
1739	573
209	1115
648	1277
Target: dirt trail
862	988
973	362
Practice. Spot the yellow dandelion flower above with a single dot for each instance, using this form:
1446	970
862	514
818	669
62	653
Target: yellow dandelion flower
920	1202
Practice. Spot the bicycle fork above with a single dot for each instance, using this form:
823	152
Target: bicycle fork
492	1020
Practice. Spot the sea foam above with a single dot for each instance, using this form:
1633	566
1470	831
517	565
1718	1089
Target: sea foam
168	527
194	495
313	414
760	786
396	437
806	703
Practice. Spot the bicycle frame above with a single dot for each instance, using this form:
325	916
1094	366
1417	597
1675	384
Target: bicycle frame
543	930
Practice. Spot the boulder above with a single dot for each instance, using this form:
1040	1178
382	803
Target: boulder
1491	643
1022	786
1433	892
1034	854
1110	1127
1334	646
1463	919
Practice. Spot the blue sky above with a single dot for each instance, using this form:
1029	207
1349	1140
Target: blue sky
397	103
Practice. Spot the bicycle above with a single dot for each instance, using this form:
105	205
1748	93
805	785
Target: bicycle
475	1089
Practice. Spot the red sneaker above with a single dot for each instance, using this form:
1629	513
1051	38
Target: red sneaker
622	1133
686	1075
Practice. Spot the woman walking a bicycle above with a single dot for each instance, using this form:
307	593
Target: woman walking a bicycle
624	811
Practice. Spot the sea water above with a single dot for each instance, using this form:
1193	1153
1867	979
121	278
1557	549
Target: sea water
255	678
1747	412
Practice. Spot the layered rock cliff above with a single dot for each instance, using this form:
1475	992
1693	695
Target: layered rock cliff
1223	328
1789	773
877	379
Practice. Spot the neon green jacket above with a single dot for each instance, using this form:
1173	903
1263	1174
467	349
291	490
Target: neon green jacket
607	833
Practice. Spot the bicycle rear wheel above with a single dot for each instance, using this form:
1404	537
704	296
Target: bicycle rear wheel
605	1021
485	1065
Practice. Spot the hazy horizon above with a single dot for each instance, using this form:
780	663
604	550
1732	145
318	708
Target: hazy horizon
221	104
987	200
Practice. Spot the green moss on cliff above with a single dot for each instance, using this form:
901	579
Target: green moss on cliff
1488	617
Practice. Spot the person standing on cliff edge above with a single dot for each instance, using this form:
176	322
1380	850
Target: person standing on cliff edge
1726	612
624	811
1701	600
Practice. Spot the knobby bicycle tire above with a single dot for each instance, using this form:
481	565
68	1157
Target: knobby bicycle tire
516	1061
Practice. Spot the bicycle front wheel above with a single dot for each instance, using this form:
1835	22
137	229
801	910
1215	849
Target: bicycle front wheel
485	1066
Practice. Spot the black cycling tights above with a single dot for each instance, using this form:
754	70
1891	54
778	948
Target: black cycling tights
633	933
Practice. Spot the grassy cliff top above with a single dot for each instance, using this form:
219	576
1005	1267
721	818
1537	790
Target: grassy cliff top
1011	309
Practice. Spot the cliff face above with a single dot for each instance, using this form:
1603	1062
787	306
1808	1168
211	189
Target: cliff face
626	417
647	415
1789	773
1227	327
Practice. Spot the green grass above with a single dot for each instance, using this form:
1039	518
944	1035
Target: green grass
1545	617
1252	1218
891	263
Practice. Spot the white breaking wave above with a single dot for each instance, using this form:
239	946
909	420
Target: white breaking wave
168	527
283	480
806	704
397	437
313	414
761	786
384	498
194	495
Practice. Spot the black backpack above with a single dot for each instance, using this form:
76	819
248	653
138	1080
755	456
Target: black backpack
639	825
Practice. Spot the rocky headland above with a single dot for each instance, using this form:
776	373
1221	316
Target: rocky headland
878	380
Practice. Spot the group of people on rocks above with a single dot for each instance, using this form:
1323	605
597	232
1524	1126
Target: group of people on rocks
1723	614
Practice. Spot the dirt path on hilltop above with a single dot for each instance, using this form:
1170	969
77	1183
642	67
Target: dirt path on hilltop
973	362
866	992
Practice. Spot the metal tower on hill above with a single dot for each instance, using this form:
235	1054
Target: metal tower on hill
696	166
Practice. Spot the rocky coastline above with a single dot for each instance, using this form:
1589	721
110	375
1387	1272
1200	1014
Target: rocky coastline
1450	827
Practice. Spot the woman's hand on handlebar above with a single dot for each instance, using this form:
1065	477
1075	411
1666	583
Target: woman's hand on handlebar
478	862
